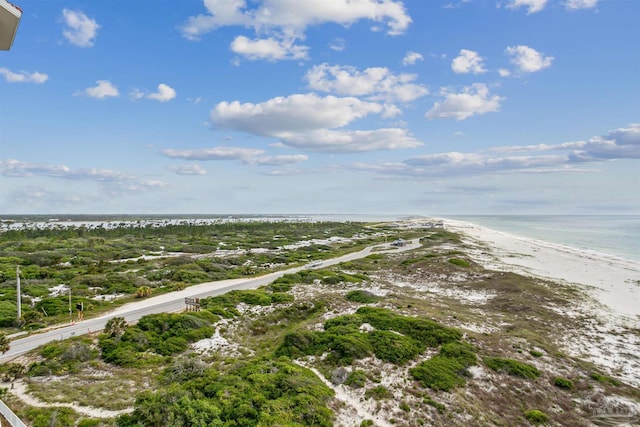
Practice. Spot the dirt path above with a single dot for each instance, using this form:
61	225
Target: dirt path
20	391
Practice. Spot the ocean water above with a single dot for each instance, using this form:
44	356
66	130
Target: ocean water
617	235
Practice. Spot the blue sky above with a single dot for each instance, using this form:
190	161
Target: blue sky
322	106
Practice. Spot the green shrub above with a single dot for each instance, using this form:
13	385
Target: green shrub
424	331
89	422
394	348
462	352
366	423
459	262
605	379
439	373
563	383
281	297
347	348
51	417
302	343
535	416
378	393
536	353
361	296
512	367
356	379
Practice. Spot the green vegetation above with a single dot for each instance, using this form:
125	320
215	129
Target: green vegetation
563	383
536	416
356	379
536	353
258	392
225	305
512	367
364	297
378	393
154	336
447	370
397	339
307	277
63	357
459	262
138	261
604	379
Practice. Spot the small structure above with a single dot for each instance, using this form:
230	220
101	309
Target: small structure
9	19
193	304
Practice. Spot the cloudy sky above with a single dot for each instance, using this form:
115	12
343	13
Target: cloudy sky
322	106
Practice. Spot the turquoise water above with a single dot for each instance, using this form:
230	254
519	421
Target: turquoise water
617	235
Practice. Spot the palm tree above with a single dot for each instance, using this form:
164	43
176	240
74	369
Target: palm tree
143	291
4	344
115	327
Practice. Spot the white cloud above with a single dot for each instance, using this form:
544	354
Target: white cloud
252	156
504	72
376	83
468	62
532	5
285	21
344	141
23	76
188	169
165	93
309	121
80	30
580	4
270	49
103	89
338	44
296	113
528	60
411	58
472	100
622	143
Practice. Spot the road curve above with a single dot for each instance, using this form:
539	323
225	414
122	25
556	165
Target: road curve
174	301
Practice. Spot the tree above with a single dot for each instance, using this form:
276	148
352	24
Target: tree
115	327
4	344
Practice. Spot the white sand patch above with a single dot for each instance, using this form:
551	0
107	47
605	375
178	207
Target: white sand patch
217	343
465	296
60	289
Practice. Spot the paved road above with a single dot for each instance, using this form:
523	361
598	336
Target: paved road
174	302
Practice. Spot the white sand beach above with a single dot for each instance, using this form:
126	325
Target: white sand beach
613	281
611	311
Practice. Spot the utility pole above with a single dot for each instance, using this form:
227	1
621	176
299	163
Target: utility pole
18	292
70	312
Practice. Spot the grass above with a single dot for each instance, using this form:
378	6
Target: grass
512	367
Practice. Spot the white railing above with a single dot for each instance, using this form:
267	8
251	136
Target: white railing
10	416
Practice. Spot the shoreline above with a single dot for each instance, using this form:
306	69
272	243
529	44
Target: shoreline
612	281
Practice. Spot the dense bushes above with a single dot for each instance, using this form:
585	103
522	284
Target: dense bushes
326	277
259	392
397	339
163	334
224	305
361	296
